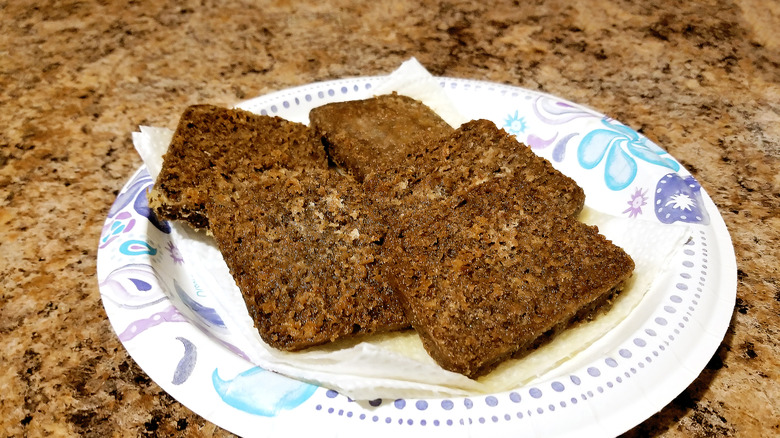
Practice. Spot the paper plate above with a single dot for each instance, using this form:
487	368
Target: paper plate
626	376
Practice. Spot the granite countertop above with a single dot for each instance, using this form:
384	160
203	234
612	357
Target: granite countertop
77	77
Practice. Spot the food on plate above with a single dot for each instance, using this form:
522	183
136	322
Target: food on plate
303	246
217	143
363	136
485	280
484	251
443	170
465	233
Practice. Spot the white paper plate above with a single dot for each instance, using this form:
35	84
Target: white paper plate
625	378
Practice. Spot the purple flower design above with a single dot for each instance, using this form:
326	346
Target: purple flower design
635	204
175	254
679	198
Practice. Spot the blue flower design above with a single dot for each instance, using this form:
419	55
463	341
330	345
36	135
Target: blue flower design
515	124
262	392
621	145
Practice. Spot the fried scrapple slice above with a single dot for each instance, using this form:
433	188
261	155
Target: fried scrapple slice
444	170
212	142
364	135
487	280
303	248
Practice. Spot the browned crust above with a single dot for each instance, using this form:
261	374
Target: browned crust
303	249
363	136
598	307
219	143
477	153
481	282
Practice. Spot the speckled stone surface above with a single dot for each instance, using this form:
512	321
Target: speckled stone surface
702	79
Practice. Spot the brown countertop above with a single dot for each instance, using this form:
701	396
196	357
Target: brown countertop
77	77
